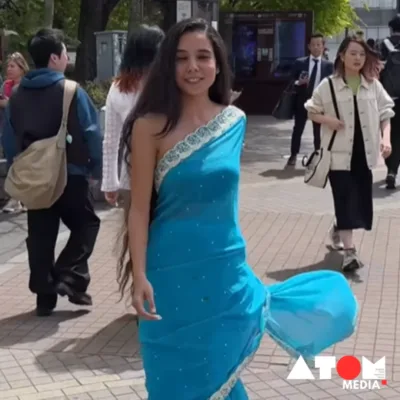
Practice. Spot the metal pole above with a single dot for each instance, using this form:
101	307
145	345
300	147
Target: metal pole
215	17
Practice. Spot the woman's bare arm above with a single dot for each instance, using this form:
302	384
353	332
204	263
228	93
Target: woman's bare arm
143	163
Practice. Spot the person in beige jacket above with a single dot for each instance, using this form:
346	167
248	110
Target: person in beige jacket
363	132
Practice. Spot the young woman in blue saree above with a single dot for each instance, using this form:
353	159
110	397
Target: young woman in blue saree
203	311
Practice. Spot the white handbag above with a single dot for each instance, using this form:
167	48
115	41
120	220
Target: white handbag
318	164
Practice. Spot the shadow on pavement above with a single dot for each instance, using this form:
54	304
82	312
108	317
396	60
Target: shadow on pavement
284	173
114	349
332	261
28	328
379	190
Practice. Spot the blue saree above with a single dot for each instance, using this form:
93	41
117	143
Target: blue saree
214	309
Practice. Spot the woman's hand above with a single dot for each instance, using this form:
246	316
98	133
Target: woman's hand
333	123
143	292
303	81
386	148
112	198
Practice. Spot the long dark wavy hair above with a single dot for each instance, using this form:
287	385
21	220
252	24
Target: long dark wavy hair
371	67
162	96
139	53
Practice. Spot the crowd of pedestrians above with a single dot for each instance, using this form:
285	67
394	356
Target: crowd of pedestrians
171	155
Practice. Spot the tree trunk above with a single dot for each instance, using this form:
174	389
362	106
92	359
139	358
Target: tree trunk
48	13
168	10
136	15
94	16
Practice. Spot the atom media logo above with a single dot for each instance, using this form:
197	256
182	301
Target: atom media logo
373	375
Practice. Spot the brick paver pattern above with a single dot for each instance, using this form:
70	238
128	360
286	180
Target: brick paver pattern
94	354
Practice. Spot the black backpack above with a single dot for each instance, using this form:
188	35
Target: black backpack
390	76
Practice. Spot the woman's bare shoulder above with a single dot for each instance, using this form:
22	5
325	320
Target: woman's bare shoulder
150	123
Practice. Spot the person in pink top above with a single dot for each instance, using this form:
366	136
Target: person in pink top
17	67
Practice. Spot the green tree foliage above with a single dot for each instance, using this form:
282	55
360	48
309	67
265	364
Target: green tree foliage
30	18
119	18
24	21
66	16
330	16
79	20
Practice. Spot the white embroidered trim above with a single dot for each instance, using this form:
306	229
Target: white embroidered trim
192	142
227	387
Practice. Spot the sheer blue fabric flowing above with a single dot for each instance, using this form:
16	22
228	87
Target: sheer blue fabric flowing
214	309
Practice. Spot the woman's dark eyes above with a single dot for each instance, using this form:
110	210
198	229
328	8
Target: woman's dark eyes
202	57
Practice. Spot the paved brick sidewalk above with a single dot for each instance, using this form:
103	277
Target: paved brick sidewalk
94	354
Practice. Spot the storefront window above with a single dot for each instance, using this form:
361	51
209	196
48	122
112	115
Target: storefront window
267	49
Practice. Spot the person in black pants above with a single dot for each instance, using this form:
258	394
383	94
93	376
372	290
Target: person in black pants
393	161
69	274
34	113
307	74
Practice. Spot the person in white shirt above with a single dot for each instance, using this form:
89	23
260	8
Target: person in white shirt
140	51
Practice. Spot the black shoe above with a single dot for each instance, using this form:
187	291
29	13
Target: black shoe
45	304
80	299
391	181
292	160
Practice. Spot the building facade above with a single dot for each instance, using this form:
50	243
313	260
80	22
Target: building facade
374	17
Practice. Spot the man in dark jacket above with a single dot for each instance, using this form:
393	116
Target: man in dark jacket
34	113
393	161
307	73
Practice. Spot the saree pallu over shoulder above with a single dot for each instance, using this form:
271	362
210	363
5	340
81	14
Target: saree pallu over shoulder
214	309
194	141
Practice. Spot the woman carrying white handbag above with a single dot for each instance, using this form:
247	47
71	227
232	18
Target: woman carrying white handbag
363	132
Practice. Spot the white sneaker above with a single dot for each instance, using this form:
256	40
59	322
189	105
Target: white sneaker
334	237
12	207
